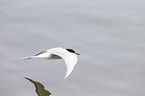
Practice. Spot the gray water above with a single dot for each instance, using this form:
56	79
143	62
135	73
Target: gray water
109	35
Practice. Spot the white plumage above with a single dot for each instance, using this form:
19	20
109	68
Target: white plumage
69	56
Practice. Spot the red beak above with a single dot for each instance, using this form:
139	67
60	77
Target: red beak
77	53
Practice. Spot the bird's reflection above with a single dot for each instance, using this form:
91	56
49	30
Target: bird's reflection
39	88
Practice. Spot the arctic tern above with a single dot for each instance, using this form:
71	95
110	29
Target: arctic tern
69	56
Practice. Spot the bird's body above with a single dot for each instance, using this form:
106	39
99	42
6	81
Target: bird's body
69	56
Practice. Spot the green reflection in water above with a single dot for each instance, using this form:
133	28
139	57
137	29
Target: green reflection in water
39	88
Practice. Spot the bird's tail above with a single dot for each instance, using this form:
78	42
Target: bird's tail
24	58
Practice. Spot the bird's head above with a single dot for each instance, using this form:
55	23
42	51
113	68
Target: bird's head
72	51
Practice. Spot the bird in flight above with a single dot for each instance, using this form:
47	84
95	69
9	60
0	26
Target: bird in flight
69	56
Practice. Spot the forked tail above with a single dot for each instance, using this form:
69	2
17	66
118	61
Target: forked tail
24	58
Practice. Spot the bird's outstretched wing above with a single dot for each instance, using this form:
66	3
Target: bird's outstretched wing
69	58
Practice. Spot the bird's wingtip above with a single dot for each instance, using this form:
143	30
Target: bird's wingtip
67	75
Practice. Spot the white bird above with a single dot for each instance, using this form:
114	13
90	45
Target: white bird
69	56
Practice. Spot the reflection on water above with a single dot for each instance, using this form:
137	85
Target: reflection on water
110	35
39	88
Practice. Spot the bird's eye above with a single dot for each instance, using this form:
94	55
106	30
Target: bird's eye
70	50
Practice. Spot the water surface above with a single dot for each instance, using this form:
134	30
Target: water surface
109	35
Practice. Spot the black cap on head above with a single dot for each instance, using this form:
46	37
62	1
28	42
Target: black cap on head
71	50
